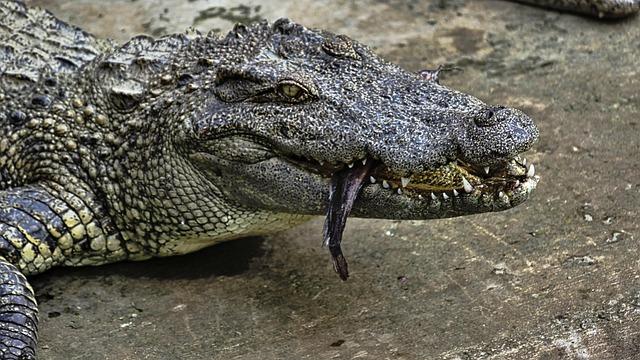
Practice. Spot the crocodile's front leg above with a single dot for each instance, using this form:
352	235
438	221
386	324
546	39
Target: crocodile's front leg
41	227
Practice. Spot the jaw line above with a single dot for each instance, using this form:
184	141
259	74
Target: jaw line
454	179
302	188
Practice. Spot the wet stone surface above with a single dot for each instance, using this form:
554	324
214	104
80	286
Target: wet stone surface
556	278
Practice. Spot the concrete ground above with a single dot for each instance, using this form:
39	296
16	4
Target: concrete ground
556	278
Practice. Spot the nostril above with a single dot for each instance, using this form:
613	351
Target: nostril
488	114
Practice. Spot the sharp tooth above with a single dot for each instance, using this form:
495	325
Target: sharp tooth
517	183
486	170
433	196
500	194
524	162
404	181
350	165
385	184
364	161
465	184
399	191
420	197
532	171
372	179
444	196
455	192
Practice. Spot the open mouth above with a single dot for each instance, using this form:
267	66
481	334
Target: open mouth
449	180
454	182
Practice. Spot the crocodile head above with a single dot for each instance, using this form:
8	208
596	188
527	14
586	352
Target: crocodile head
308	122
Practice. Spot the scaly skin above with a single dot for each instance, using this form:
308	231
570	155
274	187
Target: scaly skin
162	147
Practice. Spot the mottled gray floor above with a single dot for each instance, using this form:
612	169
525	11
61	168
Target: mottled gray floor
557	278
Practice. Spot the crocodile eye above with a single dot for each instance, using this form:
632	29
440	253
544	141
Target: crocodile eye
292	91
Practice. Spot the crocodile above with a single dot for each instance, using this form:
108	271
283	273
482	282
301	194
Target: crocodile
161	147
607	9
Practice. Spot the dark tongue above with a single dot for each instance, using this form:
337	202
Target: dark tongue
345	186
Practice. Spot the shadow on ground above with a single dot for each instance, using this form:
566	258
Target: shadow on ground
225	259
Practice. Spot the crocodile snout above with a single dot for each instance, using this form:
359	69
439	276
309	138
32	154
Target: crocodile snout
495	134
